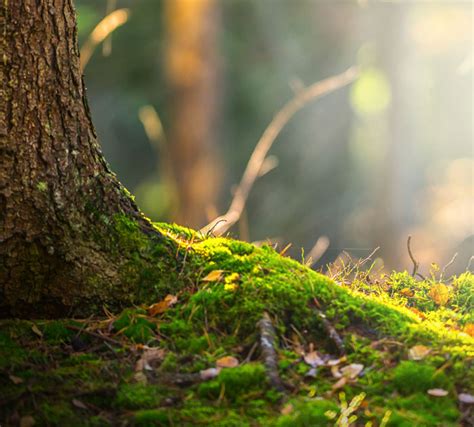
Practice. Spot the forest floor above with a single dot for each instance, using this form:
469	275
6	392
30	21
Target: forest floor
253	339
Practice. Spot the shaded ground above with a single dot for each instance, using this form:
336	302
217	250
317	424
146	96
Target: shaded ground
195	358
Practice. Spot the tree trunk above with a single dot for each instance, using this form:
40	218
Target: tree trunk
192	77
67	226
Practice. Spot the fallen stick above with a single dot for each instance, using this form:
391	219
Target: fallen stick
267	342
331	331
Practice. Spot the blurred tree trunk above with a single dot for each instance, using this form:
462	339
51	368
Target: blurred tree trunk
61	244
192	79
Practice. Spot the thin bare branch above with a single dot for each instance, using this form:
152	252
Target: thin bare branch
102	30
449	264
257	159
413	260
318	250
331	331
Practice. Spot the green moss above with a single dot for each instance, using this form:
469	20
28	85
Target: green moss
137	396
56	331
309	414
411	377
134	324
151	417
235	382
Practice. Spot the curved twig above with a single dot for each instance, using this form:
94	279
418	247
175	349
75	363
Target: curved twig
221	224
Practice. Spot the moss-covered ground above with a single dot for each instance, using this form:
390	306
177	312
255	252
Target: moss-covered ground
409	348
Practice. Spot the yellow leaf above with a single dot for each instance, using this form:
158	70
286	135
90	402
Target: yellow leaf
230	287
36	330
227	362
214	276
439	293
418	352
469	329
407	292
162	306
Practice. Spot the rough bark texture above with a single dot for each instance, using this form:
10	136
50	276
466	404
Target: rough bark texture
58	197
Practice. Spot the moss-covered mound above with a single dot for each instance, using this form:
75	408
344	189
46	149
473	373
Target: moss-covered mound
195	357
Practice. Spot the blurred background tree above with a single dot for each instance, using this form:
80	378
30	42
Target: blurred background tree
182	91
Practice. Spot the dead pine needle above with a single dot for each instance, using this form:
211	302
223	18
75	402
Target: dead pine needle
257	160
267	343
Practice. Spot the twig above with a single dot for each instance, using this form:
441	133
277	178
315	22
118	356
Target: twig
94	334
447	266
469	263
413	260
267	342
257	159
251	352
103	29
318	250
331	331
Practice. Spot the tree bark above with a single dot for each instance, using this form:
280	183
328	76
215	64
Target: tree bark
63	213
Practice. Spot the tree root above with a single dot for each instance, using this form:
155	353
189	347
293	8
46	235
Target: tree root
267	343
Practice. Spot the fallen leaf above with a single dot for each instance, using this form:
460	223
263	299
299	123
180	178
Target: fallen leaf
335	372
437	392
339	384
140	377
439	293
335	362
214	276
287	409
227	362
469	329
27	421
312	373
35	329
162	306
407	292
149	355
418	352
312	359
209	374
466	398
420	314
352	371
78	404
15	380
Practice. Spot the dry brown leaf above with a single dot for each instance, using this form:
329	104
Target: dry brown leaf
287	409
439	293
335	362
162	306
466	398
352	371
227	362
214	276
149	355
418	352
78	404
312	359
15	380
36	330
339	384
209	374
437	392
27	421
